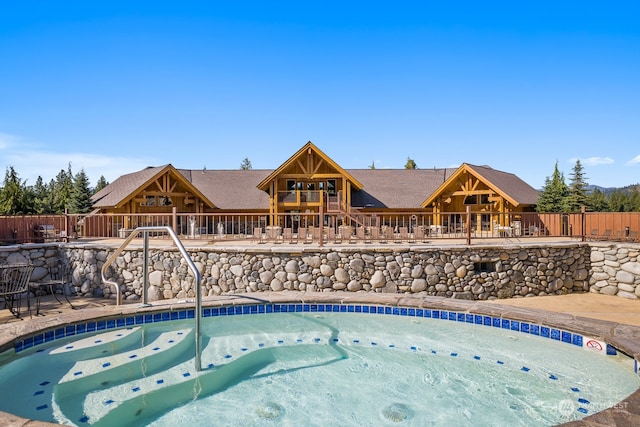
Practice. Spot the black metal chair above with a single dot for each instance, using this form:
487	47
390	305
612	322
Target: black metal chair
14	283
59	276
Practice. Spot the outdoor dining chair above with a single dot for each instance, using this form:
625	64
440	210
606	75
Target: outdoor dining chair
14	283
58	278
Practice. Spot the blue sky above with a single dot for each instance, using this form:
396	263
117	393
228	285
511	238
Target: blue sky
114	86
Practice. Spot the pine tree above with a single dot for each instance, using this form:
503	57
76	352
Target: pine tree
411	164
62	190
554	192
619	201
40	197
12	194
372	165
577	191
634	200
246	164
80	198
597	201
102	182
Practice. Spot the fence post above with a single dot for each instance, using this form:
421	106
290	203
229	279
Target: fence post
66	222
583	222
321	225
174	219
468	227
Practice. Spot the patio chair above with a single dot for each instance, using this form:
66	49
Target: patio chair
302	235
374	233
606	235
386	233
402	234
411	237
14	282
333	236
287	235
316	234
59	277
258	235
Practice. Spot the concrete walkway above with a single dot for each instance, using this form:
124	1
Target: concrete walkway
595	306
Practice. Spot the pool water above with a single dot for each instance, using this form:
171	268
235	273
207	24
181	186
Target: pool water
314	369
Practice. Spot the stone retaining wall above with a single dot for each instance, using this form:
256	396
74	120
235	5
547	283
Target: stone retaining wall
38	255
455	271
615	270
476	272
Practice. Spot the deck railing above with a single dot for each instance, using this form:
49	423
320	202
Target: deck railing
408	226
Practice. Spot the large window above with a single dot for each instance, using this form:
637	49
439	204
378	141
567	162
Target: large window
472	199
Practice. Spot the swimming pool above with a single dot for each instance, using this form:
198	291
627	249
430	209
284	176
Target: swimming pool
312	364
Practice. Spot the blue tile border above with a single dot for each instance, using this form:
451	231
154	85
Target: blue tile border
61	332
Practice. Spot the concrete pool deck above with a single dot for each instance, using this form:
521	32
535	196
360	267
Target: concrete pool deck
588	305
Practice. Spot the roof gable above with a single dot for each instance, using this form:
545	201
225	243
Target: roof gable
507	185
123	189
309	161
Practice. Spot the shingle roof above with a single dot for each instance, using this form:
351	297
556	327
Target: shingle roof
382	188
122	187
508	184
231	189
396	188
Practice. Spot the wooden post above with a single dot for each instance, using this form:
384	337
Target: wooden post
66	223
321	225
174	219
583	220
468	221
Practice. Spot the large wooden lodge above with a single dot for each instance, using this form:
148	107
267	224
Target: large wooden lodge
310	183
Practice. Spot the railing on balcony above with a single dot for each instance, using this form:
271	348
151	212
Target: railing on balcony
298	197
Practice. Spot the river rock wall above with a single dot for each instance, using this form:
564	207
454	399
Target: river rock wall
615	270
458	272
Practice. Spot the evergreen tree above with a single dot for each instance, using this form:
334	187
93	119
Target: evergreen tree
102	182
62	190
246	164
634	200
80	198
50	201
554	192
619	201
372	165
577	190
410	164
597	201
28	200
12	194
40	197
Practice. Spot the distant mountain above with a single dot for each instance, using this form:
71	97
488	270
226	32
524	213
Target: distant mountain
609	190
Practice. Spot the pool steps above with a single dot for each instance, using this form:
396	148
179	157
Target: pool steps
256	355
115	368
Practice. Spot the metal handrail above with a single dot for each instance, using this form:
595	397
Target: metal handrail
188	260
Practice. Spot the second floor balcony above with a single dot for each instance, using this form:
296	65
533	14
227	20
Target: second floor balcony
301	197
